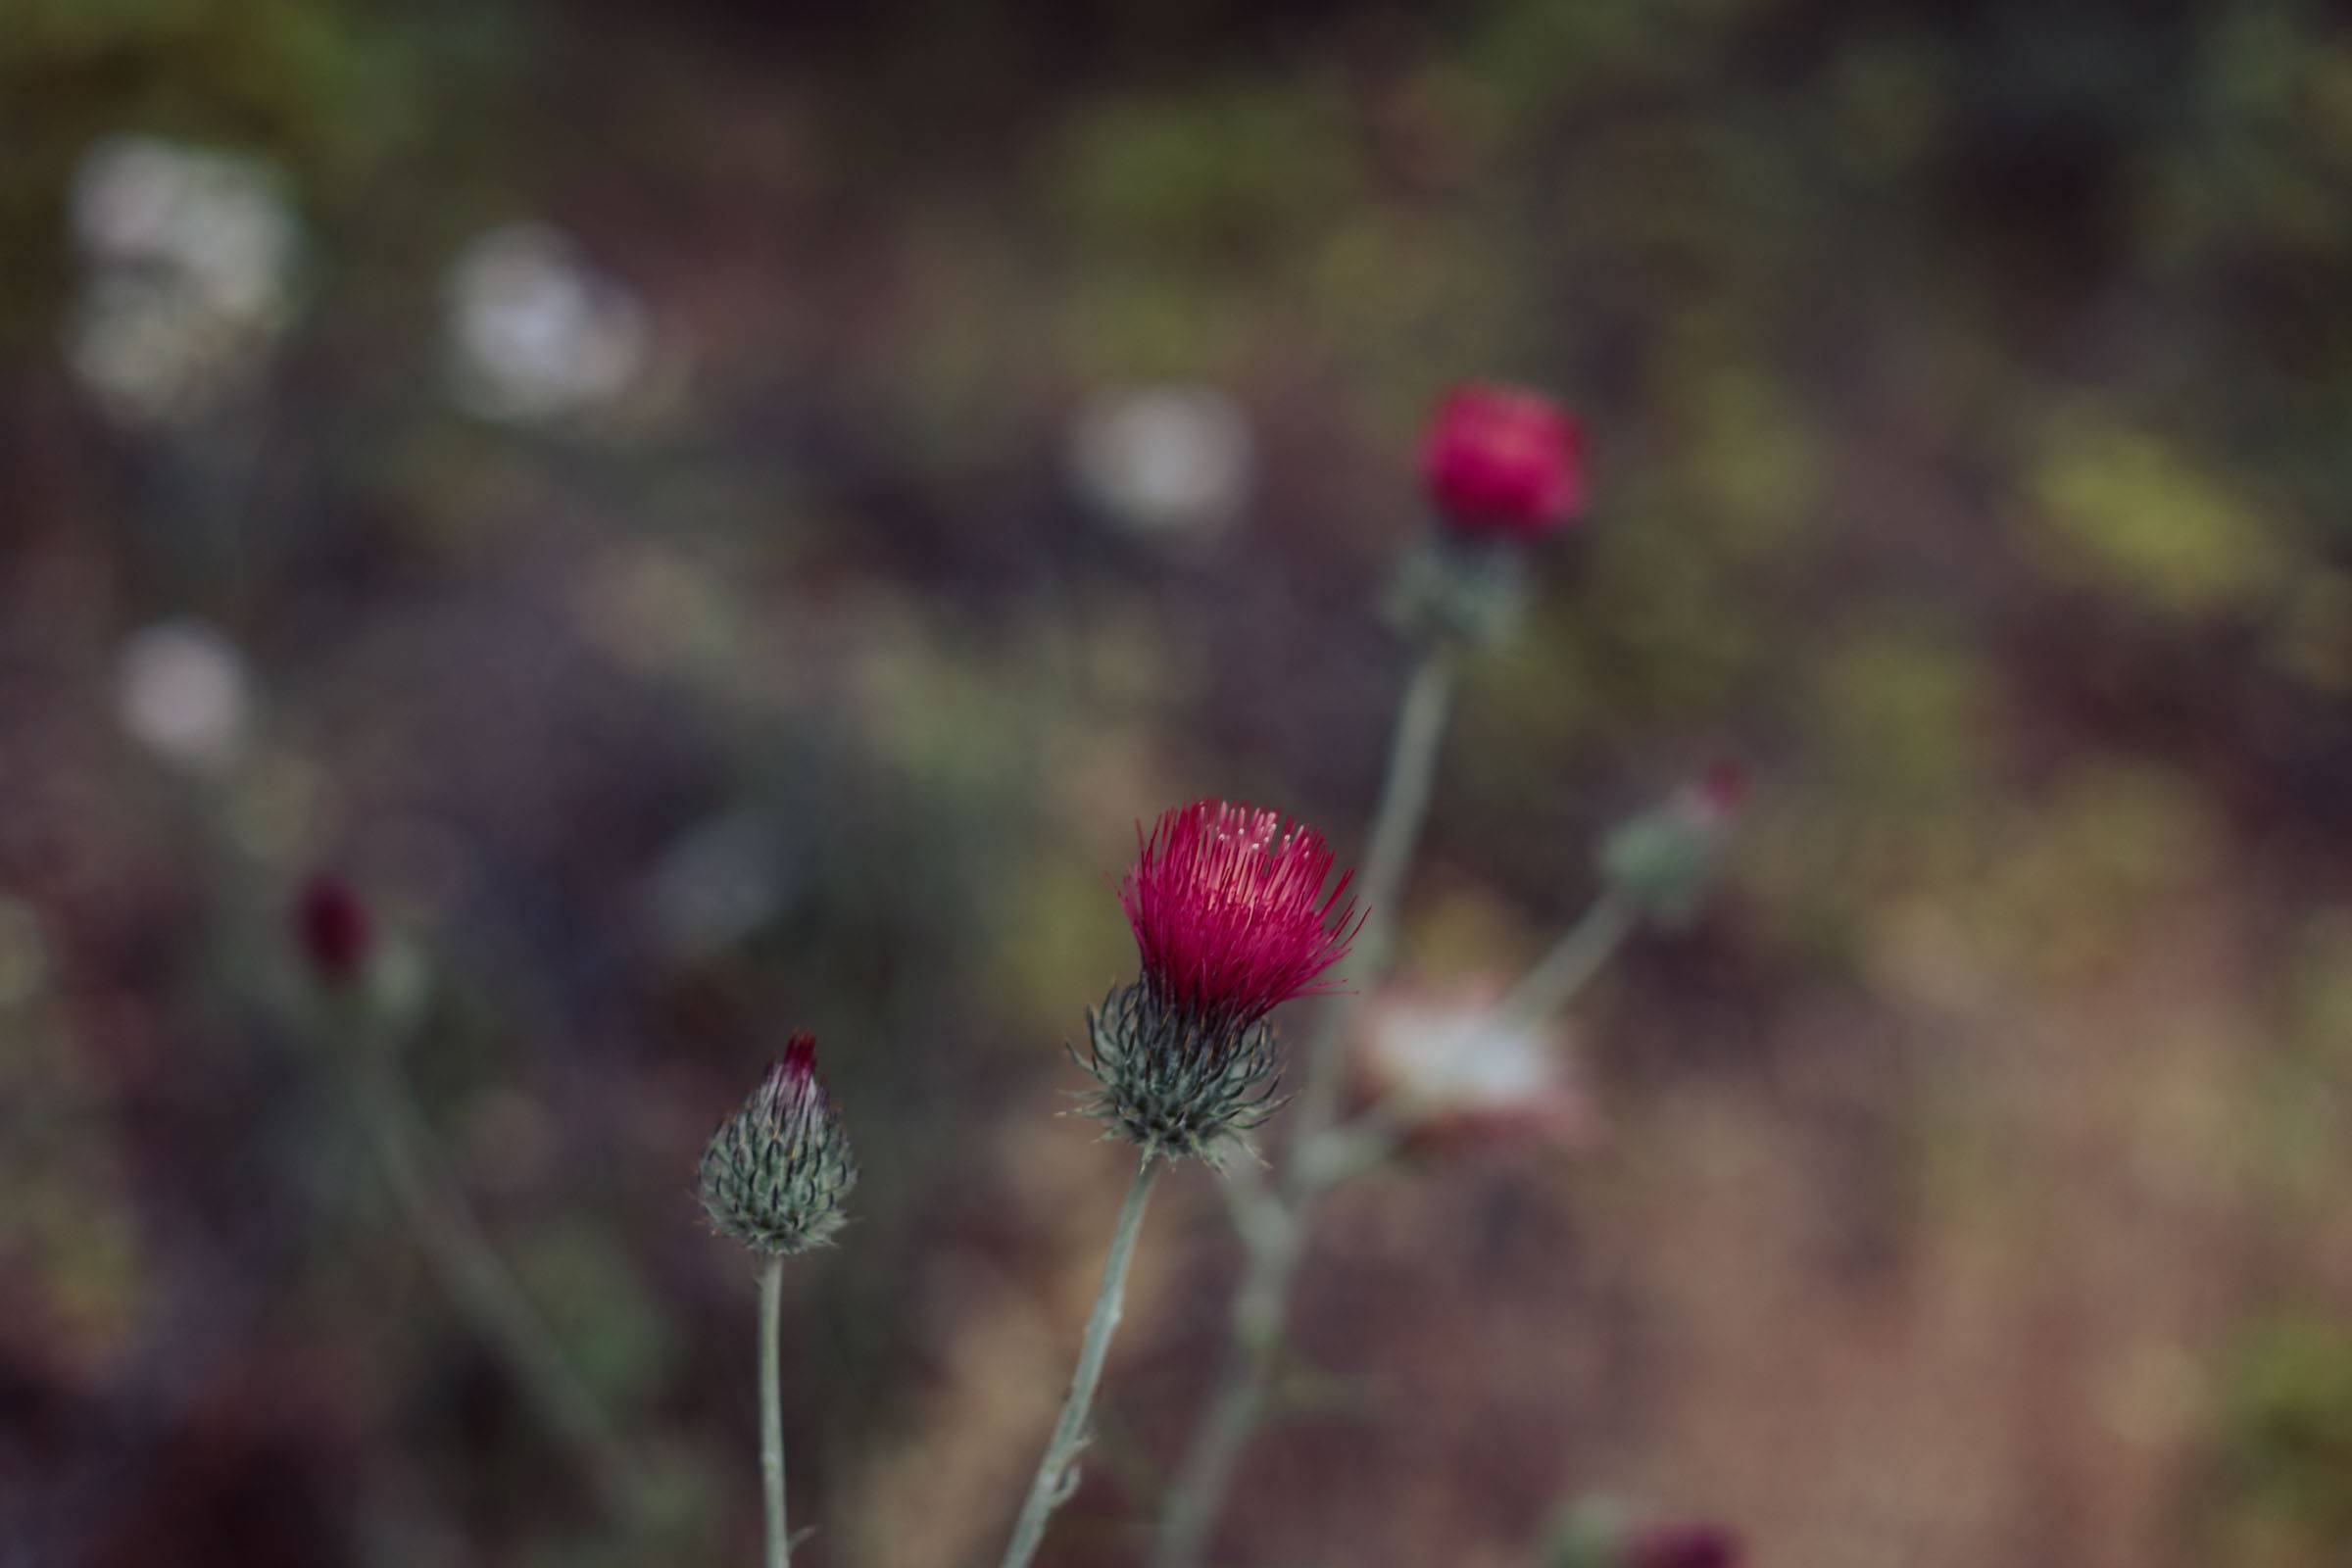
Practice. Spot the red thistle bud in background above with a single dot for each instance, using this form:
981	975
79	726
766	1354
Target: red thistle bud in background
1232	918
1503	461
777	1172
1664	859
1685	1547
334	929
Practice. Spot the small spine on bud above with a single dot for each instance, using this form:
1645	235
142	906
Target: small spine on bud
777	1173
333	930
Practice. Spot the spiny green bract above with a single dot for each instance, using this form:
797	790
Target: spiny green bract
1174	1082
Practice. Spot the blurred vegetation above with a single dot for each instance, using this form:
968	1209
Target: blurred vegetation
1967	387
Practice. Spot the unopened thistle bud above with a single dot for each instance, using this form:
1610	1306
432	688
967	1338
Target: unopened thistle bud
1664	860
1231	920
777	1172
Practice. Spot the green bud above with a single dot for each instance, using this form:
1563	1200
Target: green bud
777	1172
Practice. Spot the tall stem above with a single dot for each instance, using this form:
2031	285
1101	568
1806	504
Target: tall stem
480	1285
1205	1475
771	1414
1055	1479
1395	833
1570	964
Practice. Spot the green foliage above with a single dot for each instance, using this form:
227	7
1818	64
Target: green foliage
2286	1446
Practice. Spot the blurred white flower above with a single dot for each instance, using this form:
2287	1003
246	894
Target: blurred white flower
534	331
1176	459
183	691
1451	1063
189	259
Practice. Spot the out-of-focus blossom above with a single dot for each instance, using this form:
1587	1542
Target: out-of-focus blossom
1685	1547
334	929
534	331
181	691
1448	1064
190	257
1503	461
777	1173
1232	918
1172	461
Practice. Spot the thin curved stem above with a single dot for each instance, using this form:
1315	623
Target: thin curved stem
1057	1476
1570	964
771	1414
479	1281
1395	833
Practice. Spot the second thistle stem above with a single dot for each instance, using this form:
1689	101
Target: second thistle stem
1054	1474
771	1414
1396	832
452	1238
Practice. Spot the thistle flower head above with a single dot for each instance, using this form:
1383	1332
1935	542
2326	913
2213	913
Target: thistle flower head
1231	919
777	1172
1230	912
1503	461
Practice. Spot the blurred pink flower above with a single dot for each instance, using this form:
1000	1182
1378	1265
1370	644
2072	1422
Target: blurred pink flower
1504	462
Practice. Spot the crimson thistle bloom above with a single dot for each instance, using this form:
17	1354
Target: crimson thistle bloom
1230	919
776	1172
1503	461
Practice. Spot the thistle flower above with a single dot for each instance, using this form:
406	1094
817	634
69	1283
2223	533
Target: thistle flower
332	927
1503	461
776	1173
1230	919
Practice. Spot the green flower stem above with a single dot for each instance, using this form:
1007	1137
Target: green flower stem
461	1253
1056	1477
1261	1305
1574	960
771	1414
1395	833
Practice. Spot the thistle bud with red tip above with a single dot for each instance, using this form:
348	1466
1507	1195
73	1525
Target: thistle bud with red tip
1664	860
1232	918
777	1172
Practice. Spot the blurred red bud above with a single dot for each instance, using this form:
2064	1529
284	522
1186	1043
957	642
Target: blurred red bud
332	927
1504	462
